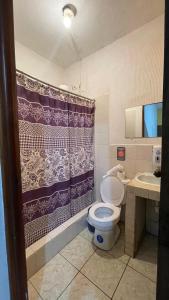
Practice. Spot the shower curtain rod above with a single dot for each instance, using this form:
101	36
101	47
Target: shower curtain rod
57	88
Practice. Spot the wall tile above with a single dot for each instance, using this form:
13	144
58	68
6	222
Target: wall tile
130	152
101	138
144	166
144	152
138	159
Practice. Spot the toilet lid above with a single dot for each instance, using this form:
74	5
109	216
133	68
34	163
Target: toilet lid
112	190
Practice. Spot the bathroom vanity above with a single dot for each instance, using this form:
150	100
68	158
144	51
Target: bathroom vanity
137	194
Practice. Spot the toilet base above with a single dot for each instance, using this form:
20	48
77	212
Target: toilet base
106	239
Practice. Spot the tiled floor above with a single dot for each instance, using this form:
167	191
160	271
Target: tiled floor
82	272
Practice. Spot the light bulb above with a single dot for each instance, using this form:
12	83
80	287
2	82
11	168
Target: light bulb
67	20
69	11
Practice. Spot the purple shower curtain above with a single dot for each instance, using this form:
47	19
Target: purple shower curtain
56	132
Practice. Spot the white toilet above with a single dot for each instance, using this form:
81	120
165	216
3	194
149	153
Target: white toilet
104	216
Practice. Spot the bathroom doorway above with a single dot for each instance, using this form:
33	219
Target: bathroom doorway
163	245
77	67
13	280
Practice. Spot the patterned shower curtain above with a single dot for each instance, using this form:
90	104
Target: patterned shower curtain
56	132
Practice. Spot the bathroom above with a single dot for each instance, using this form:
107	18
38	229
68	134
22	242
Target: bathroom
100	159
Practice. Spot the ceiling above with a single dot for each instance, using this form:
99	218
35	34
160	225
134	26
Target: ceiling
39	25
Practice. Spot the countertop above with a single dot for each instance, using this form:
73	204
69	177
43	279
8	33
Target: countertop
144	190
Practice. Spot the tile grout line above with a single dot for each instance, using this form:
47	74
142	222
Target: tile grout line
121	277
127	265
142	274
79	271
94	250
119	281
30	282
95	285
74	265
55	284
69	262
88	259
113	256
67	286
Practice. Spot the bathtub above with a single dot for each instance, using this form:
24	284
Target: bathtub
39	253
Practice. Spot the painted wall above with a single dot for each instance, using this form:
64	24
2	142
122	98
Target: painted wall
102	149
130	71
33	64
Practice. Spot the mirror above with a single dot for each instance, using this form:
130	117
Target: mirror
152	120
133	122
144	121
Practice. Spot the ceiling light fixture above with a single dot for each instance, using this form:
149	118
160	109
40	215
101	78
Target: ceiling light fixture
69	12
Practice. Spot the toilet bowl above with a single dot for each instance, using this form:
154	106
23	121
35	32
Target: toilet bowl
104	216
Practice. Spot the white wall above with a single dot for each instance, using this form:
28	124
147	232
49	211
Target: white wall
102	153
137	76
37	66
130	71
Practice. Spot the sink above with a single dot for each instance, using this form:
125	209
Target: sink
148	178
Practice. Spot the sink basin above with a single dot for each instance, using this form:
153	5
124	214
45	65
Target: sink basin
148	178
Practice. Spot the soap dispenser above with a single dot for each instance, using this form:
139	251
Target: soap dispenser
157	160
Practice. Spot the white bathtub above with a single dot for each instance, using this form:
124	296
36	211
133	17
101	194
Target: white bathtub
38	254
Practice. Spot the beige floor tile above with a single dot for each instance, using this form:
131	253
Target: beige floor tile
87	234
134	286
118	250
104	270
78	251
82	289
53	278
145	261
32	293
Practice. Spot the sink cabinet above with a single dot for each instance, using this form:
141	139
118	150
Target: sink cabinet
135	218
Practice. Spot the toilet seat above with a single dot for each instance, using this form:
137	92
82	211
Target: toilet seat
104	215
112	190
